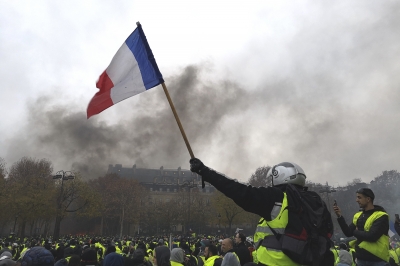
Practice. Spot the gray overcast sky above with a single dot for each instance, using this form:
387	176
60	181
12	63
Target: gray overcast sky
254	82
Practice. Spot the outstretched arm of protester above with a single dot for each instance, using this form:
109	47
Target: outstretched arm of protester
378	228
346	229
260	200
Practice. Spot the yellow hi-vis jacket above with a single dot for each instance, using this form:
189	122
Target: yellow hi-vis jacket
394	256
261	231
335	253
270	251
379	248
174	263
210	261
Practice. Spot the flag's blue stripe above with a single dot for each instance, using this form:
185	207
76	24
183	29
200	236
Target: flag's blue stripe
137	43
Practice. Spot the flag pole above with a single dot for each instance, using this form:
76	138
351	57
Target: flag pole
180	126
177	120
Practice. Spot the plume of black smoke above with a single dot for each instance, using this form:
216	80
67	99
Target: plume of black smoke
151	136
334	111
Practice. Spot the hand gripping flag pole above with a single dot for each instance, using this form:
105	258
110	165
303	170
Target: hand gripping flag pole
132	70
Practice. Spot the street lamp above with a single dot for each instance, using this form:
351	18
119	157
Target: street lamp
63	175
15	222
219	223
189	186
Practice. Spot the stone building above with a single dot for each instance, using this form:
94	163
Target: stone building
162	182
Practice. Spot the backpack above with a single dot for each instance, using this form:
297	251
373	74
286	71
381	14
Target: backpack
307	235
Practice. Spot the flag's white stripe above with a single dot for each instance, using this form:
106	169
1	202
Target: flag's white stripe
125	74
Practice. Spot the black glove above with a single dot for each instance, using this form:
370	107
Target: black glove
197	166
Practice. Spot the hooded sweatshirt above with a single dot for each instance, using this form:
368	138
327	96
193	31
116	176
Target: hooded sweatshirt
177	257
162	256
345	257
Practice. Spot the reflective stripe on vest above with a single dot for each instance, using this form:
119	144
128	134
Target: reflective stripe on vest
270	252
210	260
174	263
380	248
263	229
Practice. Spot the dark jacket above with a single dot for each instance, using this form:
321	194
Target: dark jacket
397	227
243	253
379	227
258	200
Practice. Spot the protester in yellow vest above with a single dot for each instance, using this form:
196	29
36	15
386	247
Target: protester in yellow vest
230	257
370	226
211	256
177	257
271	203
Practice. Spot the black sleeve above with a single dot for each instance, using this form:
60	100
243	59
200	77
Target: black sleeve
347	230
379	227
397	227
258	200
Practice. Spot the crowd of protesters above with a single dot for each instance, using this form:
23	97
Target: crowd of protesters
174	250
368	242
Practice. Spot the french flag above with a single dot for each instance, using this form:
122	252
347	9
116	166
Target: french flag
132	70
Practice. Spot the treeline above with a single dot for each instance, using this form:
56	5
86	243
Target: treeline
31	199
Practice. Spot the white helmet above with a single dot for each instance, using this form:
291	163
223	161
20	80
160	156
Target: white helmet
287	173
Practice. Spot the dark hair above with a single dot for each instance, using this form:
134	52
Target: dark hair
162	255
366	192
75	260
242	237
213	249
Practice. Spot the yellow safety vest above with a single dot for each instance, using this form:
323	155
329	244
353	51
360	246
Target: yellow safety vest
210	260
261	231
379	248
335	255
393	254
273	256
254	255
353	254
174	263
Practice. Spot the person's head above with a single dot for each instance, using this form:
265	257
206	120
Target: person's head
365	198
227	244
75	260
177	255
287	173
161	255
210	250
138	257
37	256
89	257
113	259
6	259
240	238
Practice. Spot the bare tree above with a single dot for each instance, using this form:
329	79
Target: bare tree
31	189
259	177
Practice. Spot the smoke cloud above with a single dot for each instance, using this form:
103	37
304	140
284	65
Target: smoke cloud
328	100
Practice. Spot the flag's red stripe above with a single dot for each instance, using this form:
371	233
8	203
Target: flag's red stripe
102	99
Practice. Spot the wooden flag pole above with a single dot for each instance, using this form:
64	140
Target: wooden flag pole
177	120
180	126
